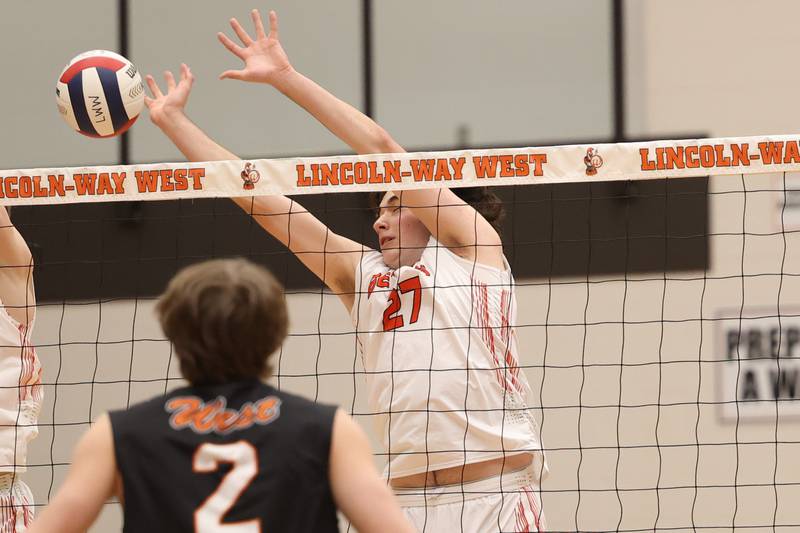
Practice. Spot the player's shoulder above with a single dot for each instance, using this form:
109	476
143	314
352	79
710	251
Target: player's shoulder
136	417
448	260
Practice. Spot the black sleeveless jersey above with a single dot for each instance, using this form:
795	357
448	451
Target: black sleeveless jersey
244	454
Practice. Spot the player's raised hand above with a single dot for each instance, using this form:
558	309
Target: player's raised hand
162	105
264	58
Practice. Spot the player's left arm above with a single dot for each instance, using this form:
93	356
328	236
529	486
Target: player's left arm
89	484
13	248
453	222
16	271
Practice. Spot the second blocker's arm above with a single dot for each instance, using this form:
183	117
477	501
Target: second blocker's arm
453	222
331	257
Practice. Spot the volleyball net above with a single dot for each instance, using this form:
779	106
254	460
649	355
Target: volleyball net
658	311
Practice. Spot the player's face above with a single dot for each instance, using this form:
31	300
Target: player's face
401	235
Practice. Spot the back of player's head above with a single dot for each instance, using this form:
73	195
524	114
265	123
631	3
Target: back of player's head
225	318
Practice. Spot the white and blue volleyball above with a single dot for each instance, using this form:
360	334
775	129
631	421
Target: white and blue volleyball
100	93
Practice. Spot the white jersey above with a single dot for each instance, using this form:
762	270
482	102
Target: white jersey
20	392
439	348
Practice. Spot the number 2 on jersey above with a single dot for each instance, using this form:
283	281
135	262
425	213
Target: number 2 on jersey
392	319
242	456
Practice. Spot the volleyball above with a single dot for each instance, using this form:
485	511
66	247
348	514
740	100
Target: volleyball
100	93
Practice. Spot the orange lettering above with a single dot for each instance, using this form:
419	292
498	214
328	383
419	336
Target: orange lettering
792	155
245	417
196	174
521	164
146	180
181	183
119	182
422	169
506	167
329	175
38	190
225	420
166	180
186	409
392	170
722	159
302	179
707	156
104	184
647	164
538	161
675	157
10	186
266	409
691	157
56	184
360	172
485	166
740	154
25	189
771	152
374	175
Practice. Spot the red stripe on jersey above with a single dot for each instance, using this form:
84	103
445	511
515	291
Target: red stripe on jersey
487	332
508	336
30	380
25	370
504	302
522	520
96	61
534	508
506	371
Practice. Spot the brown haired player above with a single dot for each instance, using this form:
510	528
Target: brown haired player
228	453
463	447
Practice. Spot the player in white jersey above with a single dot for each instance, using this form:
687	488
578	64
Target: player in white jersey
20	375
463	448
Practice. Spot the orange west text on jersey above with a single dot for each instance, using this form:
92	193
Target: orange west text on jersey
193	413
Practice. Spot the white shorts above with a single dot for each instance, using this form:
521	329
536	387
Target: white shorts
16	504
510	502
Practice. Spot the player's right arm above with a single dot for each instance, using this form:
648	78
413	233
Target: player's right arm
331	257
358	490
453	222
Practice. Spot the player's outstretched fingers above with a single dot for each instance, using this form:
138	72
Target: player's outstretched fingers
256	16
153	86
186	74
243	36
170	80
234	48
273	24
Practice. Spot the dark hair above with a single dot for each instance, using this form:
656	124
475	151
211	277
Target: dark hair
482	199
225	318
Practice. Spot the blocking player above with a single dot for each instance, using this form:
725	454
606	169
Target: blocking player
462	445
20	375
228	452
